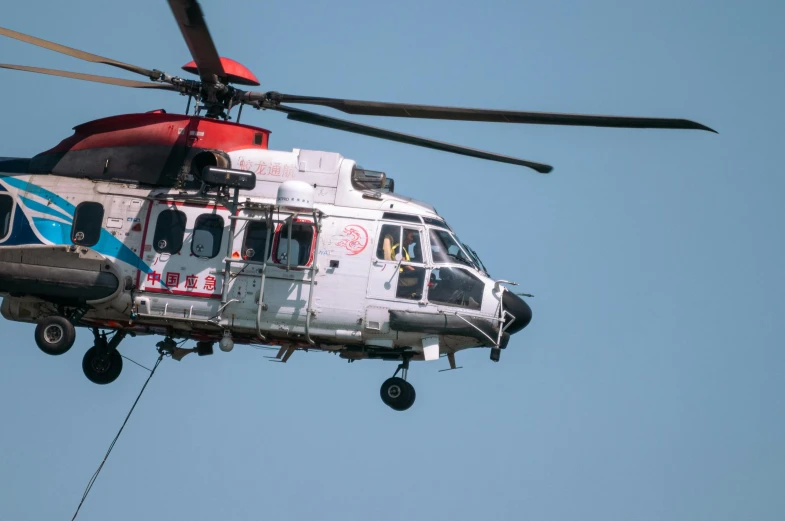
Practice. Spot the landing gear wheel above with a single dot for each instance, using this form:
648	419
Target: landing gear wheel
55	335
101	366
413	395
496	353
397	393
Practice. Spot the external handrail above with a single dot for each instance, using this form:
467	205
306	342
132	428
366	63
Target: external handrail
314	268
495	343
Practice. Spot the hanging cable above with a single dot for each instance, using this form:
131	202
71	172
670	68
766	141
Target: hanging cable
111	446
137	363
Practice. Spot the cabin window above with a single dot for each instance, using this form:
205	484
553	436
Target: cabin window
169	231
455	287
208	231
255	241
300	250
6	212
88	218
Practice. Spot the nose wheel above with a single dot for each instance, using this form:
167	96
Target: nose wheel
101	366
496	354
397	393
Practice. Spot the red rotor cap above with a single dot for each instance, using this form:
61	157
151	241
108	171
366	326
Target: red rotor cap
236	72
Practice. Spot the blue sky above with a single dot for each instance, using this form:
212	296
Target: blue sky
649	384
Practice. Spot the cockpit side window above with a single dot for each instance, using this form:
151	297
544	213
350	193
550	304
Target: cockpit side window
88	221
393	243
411	278
455	287
397	243
412	246
389	242
445	249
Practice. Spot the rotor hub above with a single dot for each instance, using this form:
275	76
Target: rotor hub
236	72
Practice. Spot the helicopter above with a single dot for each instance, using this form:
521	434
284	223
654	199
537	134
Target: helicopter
189	227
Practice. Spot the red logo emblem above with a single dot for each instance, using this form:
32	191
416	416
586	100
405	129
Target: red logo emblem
355	239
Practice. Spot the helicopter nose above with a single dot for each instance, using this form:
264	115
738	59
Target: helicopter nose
519	309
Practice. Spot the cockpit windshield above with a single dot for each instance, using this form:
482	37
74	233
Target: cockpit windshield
476	259
446	250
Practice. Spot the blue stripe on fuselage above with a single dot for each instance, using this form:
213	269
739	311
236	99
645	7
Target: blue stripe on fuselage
42	208
57	232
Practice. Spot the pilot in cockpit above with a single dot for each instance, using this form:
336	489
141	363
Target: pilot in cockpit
409	278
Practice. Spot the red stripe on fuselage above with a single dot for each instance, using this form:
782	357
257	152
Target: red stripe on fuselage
163	129
181	292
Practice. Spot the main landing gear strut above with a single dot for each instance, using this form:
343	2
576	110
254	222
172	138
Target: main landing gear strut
101	364
396	392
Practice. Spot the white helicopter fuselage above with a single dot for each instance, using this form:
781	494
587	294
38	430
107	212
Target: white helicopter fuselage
365	273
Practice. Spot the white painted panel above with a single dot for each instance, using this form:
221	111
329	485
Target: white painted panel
430	348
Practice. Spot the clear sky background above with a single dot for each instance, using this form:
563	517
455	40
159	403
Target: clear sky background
650	383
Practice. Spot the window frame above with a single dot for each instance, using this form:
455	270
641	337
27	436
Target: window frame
74	231
477	280
421	231
380	244
449	259
424	247
248	226
421	267
216	249
276	241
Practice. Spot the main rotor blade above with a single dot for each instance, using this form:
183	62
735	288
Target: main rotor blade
189	17
366	130
404	110
75	52
91	77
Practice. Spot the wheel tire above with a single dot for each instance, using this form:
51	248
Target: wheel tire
412	394
55	335
101	366
397	393
407	399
